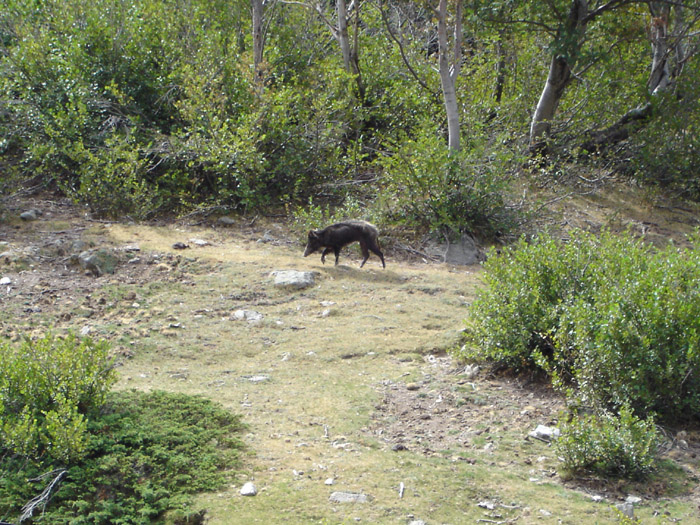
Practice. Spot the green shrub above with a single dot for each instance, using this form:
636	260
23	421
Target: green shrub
433	189
609	316
666	152
146	454
610	445
47	387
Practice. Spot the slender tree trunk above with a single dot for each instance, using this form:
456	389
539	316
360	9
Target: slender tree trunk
660	77
343	37
257	8
450	71
559	76
350	51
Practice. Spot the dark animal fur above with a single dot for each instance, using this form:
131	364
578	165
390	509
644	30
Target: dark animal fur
335	236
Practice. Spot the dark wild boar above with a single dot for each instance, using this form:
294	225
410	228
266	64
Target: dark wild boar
335	236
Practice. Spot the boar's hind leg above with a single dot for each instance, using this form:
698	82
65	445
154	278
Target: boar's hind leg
365	252
376	250
337	254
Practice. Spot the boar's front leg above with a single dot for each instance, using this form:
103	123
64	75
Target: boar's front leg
326	251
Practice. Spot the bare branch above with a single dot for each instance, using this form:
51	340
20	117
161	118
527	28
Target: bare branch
43	498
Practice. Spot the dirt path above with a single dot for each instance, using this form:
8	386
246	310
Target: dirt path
346	385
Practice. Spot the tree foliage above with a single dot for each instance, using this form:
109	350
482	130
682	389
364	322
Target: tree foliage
149	107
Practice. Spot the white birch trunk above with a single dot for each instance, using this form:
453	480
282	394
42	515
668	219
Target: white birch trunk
450	71
660	77
558	79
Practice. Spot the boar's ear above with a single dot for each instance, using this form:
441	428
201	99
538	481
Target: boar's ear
313	234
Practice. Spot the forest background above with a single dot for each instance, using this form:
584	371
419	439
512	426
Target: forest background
406	113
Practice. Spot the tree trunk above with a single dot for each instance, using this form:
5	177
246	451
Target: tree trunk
559	76
449	72
257	7
660	77
343	37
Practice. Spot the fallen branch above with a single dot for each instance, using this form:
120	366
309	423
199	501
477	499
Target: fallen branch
619	131
45	496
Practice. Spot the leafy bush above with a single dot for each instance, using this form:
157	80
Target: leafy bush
145	454
609	316
610	445
433	189
47	387
667	152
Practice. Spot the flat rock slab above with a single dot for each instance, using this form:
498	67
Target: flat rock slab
294	279
348	497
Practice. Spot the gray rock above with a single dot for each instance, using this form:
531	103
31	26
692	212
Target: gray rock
225	221
5	280
266	238
249	490
416	522
247	315
348	497
461	252
293	279
30	215
627	509
98	262
545	433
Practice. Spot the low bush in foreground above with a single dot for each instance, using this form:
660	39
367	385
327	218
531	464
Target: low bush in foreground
47	386
610	445
146	454
71	451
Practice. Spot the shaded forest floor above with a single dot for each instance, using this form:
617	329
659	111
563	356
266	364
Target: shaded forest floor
347	386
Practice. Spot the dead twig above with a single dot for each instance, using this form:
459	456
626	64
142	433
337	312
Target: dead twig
43	498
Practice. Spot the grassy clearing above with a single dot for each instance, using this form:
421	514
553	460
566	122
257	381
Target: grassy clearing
310	377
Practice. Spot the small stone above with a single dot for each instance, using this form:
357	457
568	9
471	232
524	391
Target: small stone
488	505
180	246
200	242
545	433
330	481
266	238
30	215
249	490
471	371
225	221
5	280
633	499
